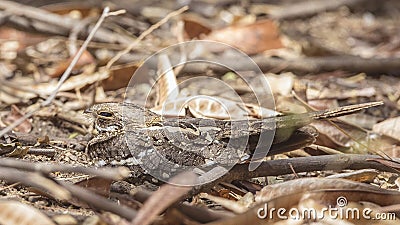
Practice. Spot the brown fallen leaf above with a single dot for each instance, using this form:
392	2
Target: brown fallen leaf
239	206
194	27
212	107
365	175
120	75
389	127
281	84
72	83
328	93
14	115
251	39
323	198
98	185
164	197
61	66
312	184
16	213
23	38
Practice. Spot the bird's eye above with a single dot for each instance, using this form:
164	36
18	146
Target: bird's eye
105	114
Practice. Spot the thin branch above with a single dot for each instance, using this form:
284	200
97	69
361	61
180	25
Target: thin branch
165	196
144	34
308	164
29	17
98	202
78	55
66	74
308	8
46	168
301	165
34	180
64	191
305	65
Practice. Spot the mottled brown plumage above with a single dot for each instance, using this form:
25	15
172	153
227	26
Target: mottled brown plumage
131	135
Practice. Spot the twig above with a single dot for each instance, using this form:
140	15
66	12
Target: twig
34	180
41	20
302	164
308	164
78	55
200	214
164	197
307	8
64	76
46	168
304	65
73	37
144	34
64	191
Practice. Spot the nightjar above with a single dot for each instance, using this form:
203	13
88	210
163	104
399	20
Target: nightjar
133	136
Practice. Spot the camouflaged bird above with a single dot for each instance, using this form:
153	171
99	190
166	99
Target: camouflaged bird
133	136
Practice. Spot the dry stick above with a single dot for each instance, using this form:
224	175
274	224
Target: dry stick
200	214
307	8
98	202
303	164
333	63
34	180
65	75
144	34
78	55
308	164
281	167
24	16
164	197
64	191
73	37
307	65
46	168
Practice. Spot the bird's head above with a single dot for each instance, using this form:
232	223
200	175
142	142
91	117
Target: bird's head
109	117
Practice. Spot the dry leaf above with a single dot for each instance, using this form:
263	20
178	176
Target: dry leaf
16	114
120	75
164	197
234	206
98	185
61	66
167	84
329	93
389	163
194	27
16	213
311	184
74	82
251	39
23	38
365	175
212	107
332	137
380	143
389	127
281	84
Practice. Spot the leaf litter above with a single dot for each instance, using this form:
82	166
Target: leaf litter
34	62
